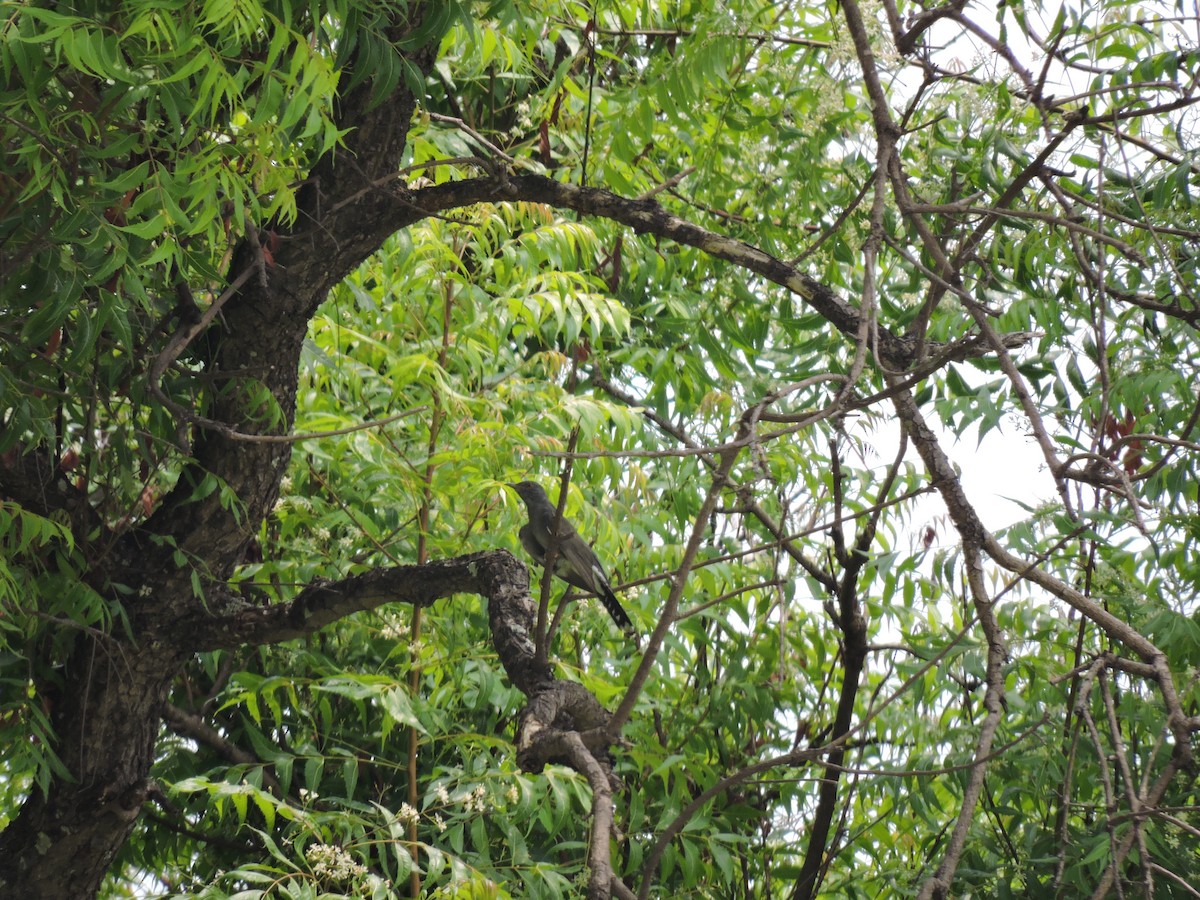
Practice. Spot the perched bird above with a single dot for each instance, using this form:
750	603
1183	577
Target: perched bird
576	563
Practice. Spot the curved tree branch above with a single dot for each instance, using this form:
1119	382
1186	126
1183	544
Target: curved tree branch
496	574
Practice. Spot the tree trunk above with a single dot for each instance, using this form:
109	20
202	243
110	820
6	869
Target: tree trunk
109	698
108	715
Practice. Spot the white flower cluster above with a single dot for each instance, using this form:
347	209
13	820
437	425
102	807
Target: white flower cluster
288	500
407	814
394	630
476	800
524	123
333	863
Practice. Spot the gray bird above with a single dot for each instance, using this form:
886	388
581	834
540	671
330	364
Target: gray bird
576	563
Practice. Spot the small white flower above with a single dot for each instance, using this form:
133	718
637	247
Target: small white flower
407	814
524	119
442	795
476	800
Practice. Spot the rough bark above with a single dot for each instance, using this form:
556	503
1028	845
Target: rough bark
107	713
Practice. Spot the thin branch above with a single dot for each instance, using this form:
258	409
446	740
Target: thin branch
671	182
475	135
1106	881
1182	882
1131	785
670	607
318	435
938	885
193	726
955	209
759	36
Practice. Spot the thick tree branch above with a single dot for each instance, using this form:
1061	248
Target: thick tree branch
496	574
853	625
648	216
600	778
255	343
555	707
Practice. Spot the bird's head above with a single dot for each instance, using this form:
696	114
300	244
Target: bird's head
529	491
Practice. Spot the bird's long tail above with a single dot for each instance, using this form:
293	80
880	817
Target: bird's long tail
613	605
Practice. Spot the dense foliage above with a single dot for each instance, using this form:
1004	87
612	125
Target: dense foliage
753	282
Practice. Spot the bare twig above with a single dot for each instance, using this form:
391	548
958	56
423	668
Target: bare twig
668	184
193	726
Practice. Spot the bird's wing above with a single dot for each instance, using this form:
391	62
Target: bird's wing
586	572
566	530
531	545
583	564
576	564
